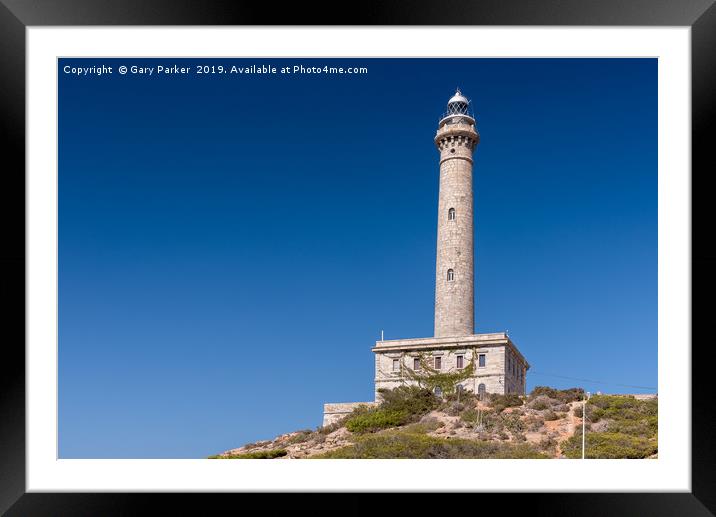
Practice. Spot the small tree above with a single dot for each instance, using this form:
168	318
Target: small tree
428	377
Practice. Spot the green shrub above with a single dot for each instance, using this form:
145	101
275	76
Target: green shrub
594	414
512	423
548	444
258	455
564	396
609	446
399	406
453	408
469	416
300	437
328	429
426	425
374	420
534	423
412	399
549	415
501	402
542	402
398	444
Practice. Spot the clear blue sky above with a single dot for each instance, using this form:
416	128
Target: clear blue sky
231	246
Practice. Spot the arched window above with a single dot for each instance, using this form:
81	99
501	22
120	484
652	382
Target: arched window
451	275
438	391
451	214
481	391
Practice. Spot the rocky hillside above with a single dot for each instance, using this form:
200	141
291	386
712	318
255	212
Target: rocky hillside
413	423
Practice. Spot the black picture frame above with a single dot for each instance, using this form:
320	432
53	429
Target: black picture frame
17	15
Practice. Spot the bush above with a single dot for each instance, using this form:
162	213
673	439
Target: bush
258	455
534	423
550	415
513	423
454	409
399	406
328	429
374	420
629	429
500	402
542	402
398	444
564	396
469	416
425	425
300	437
412	399
548	444
609	446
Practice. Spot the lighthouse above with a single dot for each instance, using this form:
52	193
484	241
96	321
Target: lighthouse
456	140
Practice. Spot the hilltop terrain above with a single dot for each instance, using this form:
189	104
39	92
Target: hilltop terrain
411	422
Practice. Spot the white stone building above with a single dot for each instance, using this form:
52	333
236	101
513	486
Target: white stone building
499	367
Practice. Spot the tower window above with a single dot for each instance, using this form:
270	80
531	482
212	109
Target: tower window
481	360
416	364
438	363
396	365
451	214
450	275
459	361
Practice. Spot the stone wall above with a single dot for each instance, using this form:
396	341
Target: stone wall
333	412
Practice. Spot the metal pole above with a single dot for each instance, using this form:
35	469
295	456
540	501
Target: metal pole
584	420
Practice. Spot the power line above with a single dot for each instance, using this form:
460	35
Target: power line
593	381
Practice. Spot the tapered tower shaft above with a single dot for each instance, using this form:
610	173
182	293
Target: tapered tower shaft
456	140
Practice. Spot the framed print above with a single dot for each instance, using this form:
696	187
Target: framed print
230	251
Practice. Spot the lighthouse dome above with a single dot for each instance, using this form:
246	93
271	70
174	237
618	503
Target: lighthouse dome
458	98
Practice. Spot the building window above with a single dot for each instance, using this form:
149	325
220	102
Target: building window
416	364
396	365
481	391
459	361
438	363
450	275
451	214
481	360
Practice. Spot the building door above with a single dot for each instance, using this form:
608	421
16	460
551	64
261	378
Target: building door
481	391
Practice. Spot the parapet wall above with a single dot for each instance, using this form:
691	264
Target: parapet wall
333	412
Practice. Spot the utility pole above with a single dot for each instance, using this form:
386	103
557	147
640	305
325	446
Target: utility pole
584	420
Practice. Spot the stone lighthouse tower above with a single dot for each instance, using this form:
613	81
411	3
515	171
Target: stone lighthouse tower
456	140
